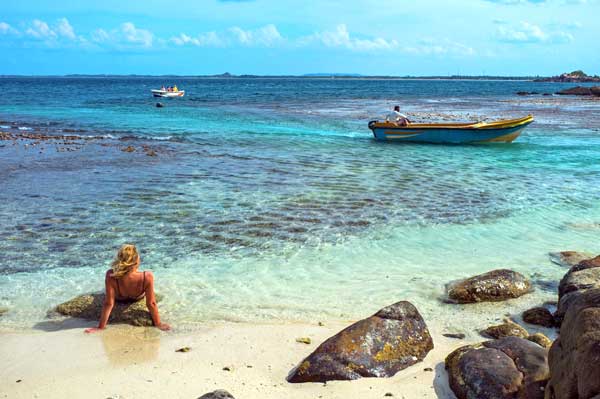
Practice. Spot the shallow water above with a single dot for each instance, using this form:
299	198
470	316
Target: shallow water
270	201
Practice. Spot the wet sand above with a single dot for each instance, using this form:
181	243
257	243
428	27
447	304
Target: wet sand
125	362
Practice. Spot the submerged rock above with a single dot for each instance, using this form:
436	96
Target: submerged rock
539	316
496	285
510	367
3	311
506	329
391	340
89	307
573	360
218	394
569	258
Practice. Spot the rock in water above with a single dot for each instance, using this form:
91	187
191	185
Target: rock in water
583	276
507	329
218	394
159	105
391	340
510	367
540	316
574	356
595	91
89	307
496	285
576	91
569	258
3	311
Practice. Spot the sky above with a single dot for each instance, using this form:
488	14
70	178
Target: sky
289	37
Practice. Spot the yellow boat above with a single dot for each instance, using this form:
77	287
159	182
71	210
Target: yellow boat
504	131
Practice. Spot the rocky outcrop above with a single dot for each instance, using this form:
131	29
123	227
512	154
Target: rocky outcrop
391	340
595	91
539	316
510	367
89	307
496	285
569	258
506	329
218	394
583	276
575	91
573	359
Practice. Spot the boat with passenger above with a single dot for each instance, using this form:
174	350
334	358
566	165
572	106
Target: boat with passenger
168	92
503	131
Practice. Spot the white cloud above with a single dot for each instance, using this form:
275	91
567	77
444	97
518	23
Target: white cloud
40	30
530	33
136	36
340	38
100	36
65	29
268	36
6	29
208	39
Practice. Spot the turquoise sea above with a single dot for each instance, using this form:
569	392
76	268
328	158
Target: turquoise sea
269	201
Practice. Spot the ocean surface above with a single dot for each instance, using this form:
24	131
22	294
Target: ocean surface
269	201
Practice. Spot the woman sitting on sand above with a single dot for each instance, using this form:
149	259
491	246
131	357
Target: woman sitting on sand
124	283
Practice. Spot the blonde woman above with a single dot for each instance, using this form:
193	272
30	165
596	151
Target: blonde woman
124	283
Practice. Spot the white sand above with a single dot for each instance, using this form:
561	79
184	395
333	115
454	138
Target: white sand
126	362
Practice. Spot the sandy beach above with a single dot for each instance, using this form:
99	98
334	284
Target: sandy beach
127	362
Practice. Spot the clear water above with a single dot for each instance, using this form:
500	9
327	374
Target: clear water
269	200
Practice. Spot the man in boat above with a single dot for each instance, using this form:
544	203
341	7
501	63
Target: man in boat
396	117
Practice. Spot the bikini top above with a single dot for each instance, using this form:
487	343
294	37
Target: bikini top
122	298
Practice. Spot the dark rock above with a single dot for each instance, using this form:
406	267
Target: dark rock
159	105
454	335
391	340
496	285
3	311
507	329
583	276
547	94
218	394
595	91
540	316
89	307
184	349
576	91
540	339
128	149
510	367
568	258
522	93
573	359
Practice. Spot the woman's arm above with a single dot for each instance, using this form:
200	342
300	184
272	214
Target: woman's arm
151	303
107	306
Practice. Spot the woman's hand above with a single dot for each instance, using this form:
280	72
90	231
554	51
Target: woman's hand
92	330
163	327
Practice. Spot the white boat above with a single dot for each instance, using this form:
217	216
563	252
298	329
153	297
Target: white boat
165	93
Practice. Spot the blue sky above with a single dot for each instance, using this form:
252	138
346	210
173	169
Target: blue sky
272	37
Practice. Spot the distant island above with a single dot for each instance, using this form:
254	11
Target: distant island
573	77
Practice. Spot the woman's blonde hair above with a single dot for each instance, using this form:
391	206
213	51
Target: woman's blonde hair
127	259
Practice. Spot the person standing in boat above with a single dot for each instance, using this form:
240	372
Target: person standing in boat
396	117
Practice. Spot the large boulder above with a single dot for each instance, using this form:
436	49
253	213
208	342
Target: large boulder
595	91
583	276
574	356
218	394
496	285
576	91
89	307
391	340
509	367
569	258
